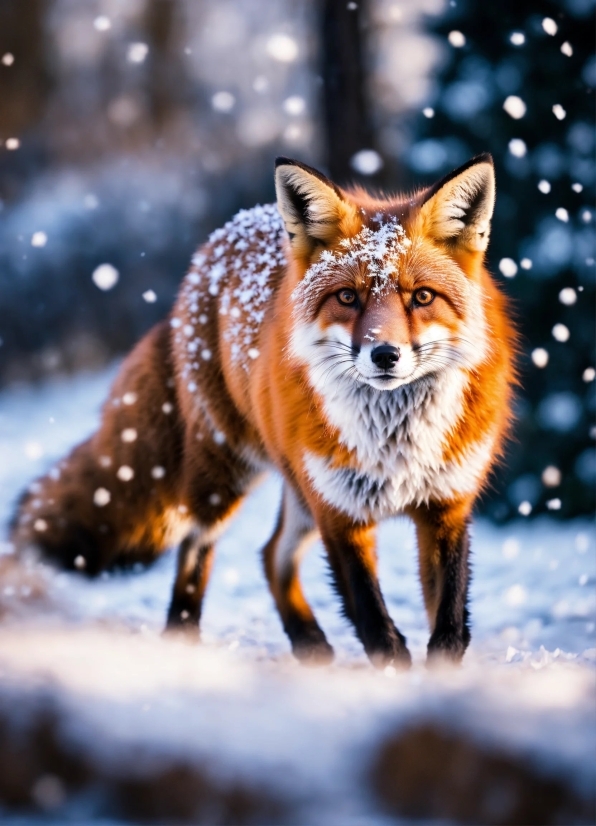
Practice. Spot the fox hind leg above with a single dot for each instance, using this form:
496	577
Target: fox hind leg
195	558
216	481
281	556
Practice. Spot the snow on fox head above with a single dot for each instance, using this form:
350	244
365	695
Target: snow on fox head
387	291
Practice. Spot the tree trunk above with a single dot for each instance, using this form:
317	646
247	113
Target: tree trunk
159	22
346	115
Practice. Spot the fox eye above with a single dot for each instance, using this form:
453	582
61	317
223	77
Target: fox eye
347	297
424	297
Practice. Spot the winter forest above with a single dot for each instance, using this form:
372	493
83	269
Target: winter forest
129	131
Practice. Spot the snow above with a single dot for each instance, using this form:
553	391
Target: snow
508	267
282	47
102	23
517	147
253	239
376	247
561	333
517	38
515	107
568	296
366	162
239	700
39	239
105	276
294	105
58	414
137	52
223	101
457	39
551	476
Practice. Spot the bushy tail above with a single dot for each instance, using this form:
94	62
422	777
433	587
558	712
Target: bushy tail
114	500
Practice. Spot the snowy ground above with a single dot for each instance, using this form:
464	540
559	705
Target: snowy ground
239	700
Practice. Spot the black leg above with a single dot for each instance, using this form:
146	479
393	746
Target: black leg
353	563
451	633
194	567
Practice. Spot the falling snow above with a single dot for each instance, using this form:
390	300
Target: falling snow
101	497
540	357
568	296
517	147
508	267
457	39
105	277
515	107
39	239
561	332
125	473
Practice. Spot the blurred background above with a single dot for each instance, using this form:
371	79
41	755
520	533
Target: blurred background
129	129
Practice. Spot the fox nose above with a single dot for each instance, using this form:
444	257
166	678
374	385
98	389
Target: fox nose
385	356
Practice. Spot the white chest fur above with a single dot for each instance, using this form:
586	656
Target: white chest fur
396	441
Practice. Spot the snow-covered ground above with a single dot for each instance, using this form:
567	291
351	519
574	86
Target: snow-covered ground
533	584
239	700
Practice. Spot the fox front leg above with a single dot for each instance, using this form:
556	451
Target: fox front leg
282	556
444	547
352	556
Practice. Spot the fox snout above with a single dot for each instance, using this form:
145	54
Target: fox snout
382	340
385	364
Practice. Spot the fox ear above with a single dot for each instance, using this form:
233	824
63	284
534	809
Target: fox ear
458	208
312	206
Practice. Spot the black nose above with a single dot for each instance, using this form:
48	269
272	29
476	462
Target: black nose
385	356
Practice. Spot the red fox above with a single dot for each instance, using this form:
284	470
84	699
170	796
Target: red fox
358	346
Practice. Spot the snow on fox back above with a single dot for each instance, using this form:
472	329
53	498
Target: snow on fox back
237	265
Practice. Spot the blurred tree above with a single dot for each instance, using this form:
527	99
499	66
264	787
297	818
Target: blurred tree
24	85
24	88
348	126
519	82
160	18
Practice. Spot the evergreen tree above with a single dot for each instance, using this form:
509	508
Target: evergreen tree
519	82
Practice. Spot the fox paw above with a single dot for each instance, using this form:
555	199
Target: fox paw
392	651
446	647
180	625
310	646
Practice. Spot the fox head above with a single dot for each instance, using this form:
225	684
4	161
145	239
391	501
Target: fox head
386	292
